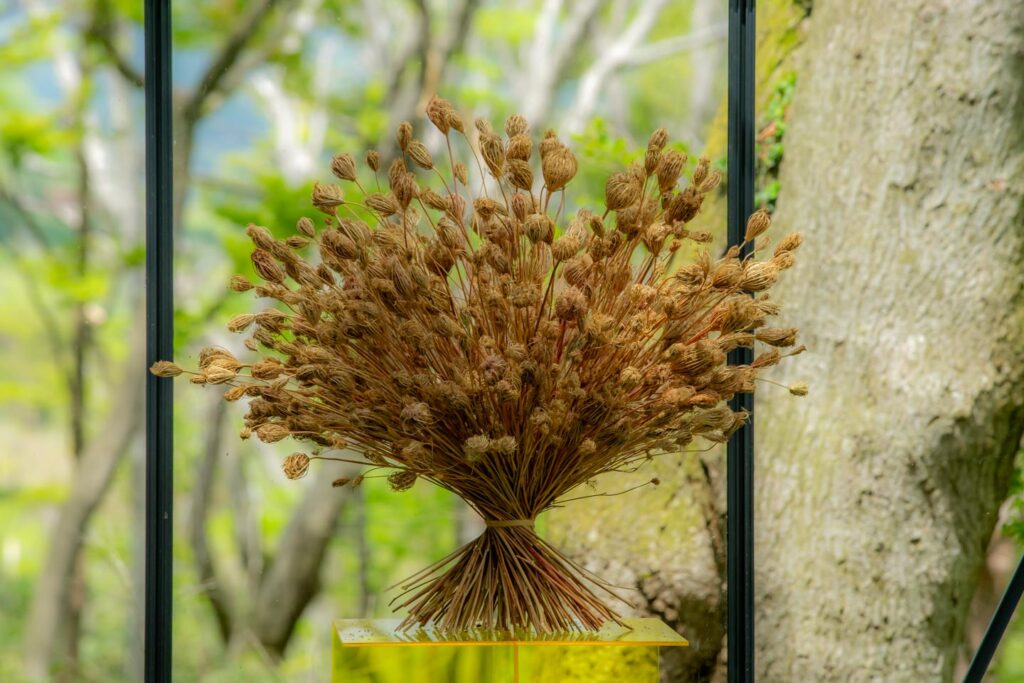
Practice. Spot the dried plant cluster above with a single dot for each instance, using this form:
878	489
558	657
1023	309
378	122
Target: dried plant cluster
453	331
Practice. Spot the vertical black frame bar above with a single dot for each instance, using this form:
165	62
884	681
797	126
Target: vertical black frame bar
159	341
996	627
740	450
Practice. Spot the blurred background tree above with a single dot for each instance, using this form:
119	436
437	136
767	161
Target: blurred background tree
905	179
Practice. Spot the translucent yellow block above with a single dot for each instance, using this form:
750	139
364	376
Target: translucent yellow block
375	651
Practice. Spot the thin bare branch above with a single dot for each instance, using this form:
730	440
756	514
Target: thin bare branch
212	585
220	67
101	31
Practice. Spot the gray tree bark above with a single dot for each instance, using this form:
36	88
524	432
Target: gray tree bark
95	469
877	494
292	578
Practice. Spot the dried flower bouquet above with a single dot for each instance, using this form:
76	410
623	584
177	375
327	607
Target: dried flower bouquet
451	330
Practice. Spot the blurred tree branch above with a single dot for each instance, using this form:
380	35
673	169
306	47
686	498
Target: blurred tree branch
101	31
94	472
227	58
547	60
202	492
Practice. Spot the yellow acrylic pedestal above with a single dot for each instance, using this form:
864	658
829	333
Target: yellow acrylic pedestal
374	651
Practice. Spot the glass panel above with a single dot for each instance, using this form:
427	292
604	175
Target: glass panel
265	565
71	341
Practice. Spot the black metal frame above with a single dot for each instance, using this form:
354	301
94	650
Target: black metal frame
159	342
740	450
996	627
159	331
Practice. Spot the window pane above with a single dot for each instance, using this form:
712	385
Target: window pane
265	564
71	341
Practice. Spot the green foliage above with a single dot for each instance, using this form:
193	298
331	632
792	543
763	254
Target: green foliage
771	131
1013	527
503	24
26	133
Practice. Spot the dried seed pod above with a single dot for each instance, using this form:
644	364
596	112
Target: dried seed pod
670	166
271	432
539	228
327	198
571	304
684	206
700	173
789	243
548	144
419	155
306	227
438	111
165	368
402	480
521	202
558	167
403	135
520	174
651	160
434	200
295	466
266	266
344	167
385	205
519	147
240	283
373	160
621	190
759	276
658	139
577	269
777	336
455	120
493	151
240	322
784	260
515	124
710	182
565	247
757	224
261	237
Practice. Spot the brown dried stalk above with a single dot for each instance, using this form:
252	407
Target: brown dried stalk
457	334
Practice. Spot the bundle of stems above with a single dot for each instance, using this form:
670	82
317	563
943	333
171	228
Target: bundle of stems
465	333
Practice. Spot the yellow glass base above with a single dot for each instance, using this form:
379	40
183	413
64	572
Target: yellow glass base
374	651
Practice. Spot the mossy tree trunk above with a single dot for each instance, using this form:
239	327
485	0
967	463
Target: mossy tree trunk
877	494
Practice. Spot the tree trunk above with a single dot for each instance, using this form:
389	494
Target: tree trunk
93	475
877	495
665	546
292	578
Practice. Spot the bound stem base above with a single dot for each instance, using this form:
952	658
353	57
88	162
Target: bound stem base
506	579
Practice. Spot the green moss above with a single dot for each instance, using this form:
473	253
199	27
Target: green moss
780	31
